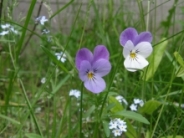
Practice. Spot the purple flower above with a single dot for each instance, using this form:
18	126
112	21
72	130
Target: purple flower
132	35
92	67
136	48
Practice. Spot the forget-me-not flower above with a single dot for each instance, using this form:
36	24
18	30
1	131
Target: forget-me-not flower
137	47
92	67
118	126
41	19
75	93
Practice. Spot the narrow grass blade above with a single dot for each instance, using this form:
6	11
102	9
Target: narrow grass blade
9	119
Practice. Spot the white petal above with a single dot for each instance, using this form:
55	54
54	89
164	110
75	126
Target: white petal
135	64
144	49
129	46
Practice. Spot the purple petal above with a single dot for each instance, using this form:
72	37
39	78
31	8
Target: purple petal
100	51
128	34
85	66
83	54
143	37
101	67
95	85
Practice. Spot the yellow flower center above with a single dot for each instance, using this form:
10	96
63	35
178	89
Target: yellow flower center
90	75
133	55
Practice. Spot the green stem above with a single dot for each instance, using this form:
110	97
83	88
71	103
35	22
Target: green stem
81	98
161	110
30	107
28	17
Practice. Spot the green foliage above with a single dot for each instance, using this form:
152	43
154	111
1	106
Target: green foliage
150	106
155	59
35	109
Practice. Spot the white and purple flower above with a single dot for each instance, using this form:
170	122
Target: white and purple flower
92	67
137	47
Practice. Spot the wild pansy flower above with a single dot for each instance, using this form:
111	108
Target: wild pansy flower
92	67
137	47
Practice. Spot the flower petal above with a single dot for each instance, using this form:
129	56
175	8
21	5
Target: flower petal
84	68
129	46
135	64
96	85
101	67
144	48
100	51
143	37
128	34
83	54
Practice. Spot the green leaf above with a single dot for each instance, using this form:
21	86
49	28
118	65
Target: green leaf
154	60
150	106
178	136
133	116
179	59
9	119
89	111
131	133
116	105
106	128
180	72
32	135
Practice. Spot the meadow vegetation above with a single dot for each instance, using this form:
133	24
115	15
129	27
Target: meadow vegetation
41	94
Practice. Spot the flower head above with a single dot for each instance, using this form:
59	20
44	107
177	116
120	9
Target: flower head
130	34
137	48
61	56
7	28
43	80
137	103
92	67
118	126
75	93
121	99
41	19
133	107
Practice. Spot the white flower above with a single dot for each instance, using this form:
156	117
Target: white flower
43	80
5	26
4	32
41	19
45	31
139	102
135	55
118	126
61	56
75	93
121	99
117	132
133	107
113	124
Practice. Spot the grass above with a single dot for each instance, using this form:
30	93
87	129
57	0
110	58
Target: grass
31	109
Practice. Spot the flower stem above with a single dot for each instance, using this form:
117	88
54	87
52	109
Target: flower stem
147	20
81	110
